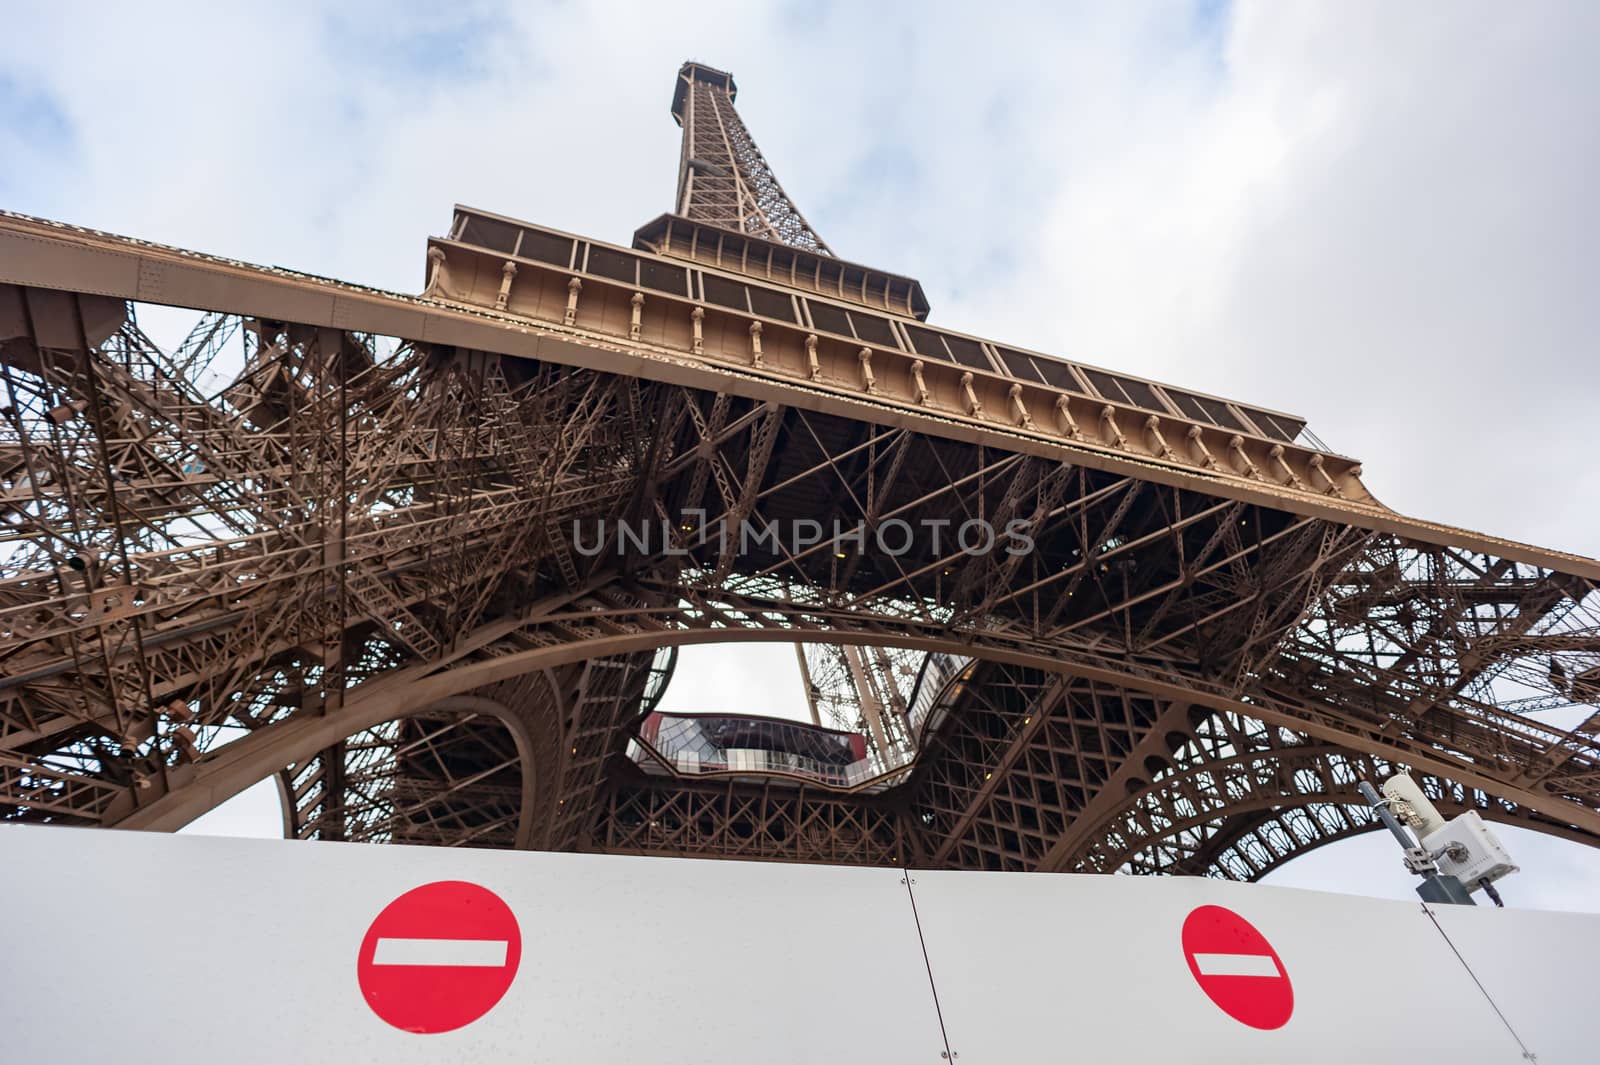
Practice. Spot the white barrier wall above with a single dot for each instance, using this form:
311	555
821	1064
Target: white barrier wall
1539	969
131	947
1024	962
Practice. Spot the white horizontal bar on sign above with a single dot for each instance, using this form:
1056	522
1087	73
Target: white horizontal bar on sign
1236	965
478	953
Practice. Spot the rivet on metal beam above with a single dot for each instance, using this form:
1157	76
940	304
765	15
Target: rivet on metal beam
917	383
1020	409
637	303
811	356
755	343
697	318
871	383
574	286
507	272
1069	424
974	408
1109	432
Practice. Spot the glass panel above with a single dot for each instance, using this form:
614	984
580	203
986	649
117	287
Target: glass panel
720	290
1057	373
1106	385
546	248
612	264
928	343
487	233
1141	394
873	330
1219	413
1284	429
829	318
1189	405
771	304
968	353
663	278
1020	366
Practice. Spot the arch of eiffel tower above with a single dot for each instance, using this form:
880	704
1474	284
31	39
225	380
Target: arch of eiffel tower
427	561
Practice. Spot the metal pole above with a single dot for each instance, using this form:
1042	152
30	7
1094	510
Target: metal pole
1381	808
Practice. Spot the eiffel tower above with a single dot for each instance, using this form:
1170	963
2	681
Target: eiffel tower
427	561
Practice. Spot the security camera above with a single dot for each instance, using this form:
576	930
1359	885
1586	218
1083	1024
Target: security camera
1461	849
1466	849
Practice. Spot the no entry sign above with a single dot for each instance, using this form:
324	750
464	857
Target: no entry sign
1237	968
439	957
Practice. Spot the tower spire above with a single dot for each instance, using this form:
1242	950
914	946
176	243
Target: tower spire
723	179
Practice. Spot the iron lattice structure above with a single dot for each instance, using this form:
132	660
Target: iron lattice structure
723	179
357	541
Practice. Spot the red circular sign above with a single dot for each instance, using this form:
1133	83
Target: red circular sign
439	956
1237	968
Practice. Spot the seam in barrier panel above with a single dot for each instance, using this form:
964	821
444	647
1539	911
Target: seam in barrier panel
1526	1053
933	987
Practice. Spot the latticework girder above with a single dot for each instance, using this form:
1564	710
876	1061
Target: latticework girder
723	179
1160	600
1039	771
416	556
864	690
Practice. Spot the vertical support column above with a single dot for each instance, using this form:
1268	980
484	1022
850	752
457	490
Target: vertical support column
1152	425
1197	444
807	684
507	272
918	385
1290	477
1110	433
870	701
574	287
1069	424
974	407
1019	409
435	271
1330	486
1242	461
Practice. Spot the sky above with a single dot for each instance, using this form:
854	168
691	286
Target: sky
1376	216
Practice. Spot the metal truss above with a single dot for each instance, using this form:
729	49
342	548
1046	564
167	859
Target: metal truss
1041	771
219	600
183	566
373	545
760	823
723	179
865	690
434	777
